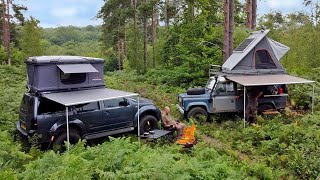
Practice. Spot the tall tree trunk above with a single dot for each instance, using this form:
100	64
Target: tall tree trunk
145	36
119	54
154	35
226	42
191	10
231	26
123	52
8	32
254	14
228	28
249	13
251	8
166	17
6	28
125	44
135	38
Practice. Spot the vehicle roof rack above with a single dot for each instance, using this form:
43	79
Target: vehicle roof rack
214	70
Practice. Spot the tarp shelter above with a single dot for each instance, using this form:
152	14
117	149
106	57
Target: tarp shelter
54	73
257	54
71	98
262	80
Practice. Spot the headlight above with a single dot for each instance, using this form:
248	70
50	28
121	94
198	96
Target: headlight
180	101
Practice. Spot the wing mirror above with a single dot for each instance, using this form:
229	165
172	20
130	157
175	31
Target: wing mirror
124	103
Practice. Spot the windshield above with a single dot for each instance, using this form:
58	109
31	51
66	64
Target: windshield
211	83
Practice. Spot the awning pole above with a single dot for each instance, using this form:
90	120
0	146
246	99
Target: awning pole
67	117
139	117
312	98
244	107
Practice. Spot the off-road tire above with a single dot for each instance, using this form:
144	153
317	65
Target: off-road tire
148	123
196	91
61	137
196	112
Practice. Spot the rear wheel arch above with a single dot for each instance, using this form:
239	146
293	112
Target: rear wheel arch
73	126
150	112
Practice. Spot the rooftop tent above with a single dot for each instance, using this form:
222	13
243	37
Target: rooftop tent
50	73
257	54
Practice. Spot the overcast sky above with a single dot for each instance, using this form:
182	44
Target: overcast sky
53	13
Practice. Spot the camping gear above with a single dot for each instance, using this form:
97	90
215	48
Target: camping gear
155	134
54	73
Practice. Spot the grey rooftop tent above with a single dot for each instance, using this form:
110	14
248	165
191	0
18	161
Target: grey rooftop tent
55	73
257	54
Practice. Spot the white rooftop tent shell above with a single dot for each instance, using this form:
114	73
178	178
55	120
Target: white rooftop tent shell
70	98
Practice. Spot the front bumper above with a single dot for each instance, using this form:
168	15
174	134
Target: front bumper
181	110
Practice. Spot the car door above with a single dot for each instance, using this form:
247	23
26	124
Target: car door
90	114
117	114
224	99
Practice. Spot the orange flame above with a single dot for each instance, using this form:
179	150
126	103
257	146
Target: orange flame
188	136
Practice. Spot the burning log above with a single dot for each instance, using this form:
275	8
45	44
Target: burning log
188	139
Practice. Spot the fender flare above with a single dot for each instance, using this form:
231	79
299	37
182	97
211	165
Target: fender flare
197	104
62	123
149	109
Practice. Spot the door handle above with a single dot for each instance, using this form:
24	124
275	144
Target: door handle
232	100
106	112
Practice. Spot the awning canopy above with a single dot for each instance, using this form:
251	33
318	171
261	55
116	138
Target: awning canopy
77	68
86	96
261	80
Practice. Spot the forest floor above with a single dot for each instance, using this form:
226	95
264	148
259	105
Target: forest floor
220	146
286	147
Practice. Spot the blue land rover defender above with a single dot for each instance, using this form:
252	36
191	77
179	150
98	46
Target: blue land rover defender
222	96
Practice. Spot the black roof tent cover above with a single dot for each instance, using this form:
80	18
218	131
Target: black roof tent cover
54	73
77	68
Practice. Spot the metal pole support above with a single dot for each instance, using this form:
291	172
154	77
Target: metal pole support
139	117
67	117
244	107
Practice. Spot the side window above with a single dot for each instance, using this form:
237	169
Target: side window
263	60
87	107
114	103
72	78
47	106
225	87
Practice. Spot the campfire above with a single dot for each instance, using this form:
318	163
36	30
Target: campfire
188	139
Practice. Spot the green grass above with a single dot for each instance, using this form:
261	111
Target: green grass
280	148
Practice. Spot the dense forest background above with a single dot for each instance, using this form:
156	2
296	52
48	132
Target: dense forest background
159	49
